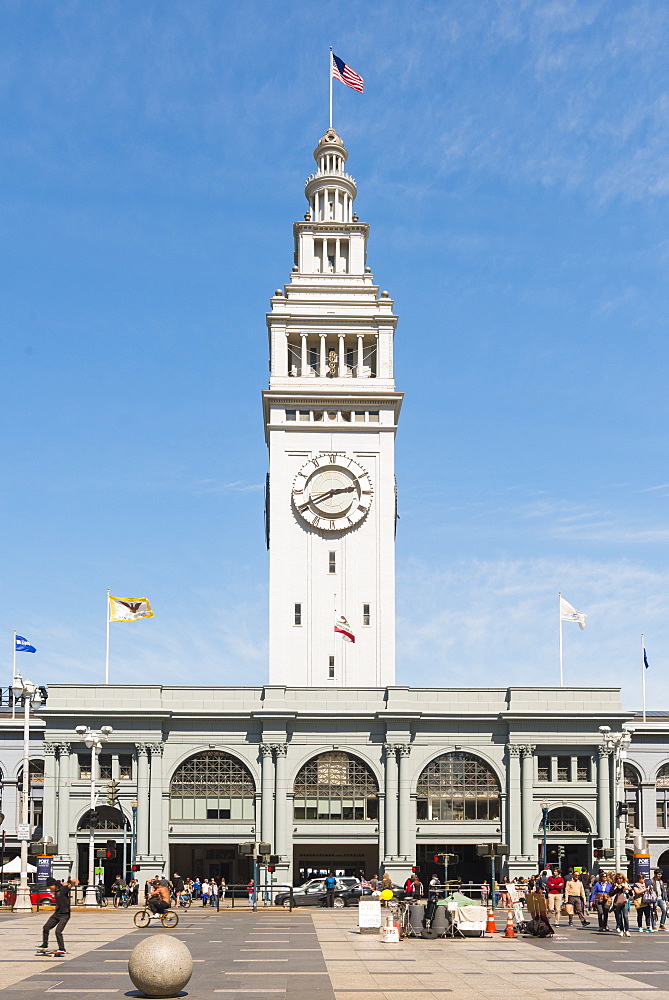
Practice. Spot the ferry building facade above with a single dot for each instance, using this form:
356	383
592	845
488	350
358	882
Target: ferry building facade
332	763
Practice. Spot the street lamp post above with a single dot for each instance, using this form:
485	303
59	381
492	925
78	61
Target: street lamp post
31	696
544	823
618	744
94	742
133	843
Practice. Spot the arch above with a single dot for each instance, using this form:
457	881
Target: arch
212	785
108	818
662	777
631	776
567	819
335	785
458	787
35	769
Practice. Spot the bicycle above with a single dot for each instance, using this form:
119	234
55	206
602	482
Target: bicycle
185	900
169	918
100	896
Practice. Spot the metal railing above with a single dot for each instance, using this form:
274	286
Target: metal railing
265	894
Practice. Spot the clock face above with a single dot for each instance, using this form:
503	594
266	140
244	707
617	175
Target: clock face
332	492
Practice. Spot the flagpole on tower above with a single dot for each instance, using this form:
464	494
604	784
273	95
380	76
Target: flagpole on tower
560	617
107	644
643	676
330	68
14	678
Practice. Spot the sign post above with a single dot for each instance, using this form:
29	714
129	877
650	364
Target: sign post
44	864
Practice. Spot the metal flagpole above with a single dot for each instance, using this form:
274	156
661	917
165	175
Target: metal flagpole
14	678
560	617
107	651
330	64
643	676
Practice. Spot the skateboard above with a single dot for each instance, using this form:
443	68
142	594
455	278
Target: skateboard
40	953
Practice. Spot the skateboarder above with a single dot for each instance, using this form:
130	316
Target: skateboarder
58	918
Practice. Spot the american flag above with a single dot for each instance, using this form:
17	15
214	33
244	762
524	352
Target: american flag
344	73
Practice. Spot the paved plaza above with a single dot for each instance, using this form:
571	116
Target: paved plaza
274	955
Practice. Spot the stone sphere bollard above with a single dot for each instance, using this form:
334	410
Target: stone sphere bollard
160	965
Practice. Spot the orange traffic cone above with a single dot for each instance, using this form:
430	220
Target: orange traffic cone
490	927
509	932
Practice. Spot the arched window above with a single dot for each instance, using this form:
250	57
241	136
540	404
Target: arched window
35	793
662	797
458	787
212	785
567	820
108	818
631	782
335	786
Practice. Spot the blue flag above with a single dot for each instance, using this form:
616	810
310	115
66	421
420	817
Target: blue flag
23	646
645	660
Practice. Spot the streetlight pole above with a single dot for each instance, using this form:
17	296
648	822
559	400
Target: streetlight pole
31	696
93	741
618	743
544	823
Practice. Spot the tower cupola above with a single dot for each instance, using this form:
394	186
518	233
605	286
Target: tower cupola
330	191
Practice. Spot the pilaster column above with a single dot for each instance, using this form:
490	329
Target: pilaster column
361	353
303	355
267	794
406	835
142	799
49	821
281	817
513	751
604	795
64	778
342	356
156	831
527	799
391	801
323	370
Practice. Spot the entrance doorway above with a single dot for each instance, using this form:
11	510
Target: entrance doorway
467	866
311	860
566	856
210	861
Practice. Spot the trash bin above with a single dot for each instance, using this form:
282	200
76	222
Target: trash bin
417	915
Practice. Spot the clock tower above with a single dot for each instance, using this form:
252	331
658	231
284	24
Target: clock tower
331	414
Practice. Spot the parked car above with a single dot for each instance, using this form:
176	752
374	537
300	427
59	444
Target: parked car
39	896
312	893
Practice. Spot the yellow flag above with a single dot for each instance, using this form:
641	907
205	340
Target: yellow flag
129	609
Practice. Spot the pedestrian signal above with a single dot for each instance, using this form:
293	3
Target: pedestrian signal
270	868
110	851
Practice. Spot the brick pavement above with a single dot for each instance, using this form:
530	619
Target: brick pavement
319	955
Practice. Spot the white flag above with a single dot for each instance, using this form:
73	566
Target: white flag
128	609
569	614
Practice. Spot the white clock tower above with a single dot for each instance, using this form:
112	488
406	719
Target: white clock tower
331	414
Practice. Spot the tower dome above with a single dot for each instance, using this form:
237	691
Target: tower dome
330	191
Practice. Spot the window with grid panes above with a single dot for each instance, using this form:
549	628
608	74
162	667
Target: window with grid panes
125	766
566	820
631	783
543	768
583	768
458	787
212	785
662	796
335	786
105	766
563	768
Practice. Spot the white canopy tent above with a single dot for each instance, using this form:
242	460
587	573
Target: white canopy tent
13	867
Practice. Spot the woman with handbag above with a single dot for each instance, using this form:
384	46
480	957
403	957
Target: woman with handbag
620	894
643	901
600	896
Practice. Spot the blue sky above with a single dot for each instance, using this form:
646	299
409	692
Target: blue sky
512	159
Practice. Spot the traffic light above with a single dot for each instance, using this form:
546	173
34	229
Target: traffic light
135	868
93	819
274	859
598	844
436	858
110	852
270	869
112	793
414	870
596	852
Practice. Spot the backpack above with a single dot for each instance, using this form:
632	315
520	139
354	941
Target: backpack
539	928
330	882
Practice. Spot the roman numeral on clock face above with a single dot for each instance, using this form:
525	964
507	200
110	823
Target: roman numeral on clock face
333	459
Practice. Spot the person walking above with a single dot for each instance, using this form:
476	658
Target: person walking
600	897
330	886
59	917
204	894
555	887
178	886
660	887
574	893
213	892
250	888
620	895
197	887
222	889
643	900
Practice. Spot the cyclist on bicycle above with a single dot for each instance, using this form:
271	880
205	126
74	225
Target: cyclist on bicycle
159	898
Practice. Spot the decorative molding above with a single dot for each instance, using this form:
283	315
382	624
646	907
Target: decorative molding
528	749
514	749
156	749
389	749
404	749
142	749
604	751
266	749
64	749
50	749
280	749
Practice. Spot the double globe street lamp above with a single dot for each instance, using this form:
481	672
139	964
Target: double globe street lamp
32	698
94	741
617	744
